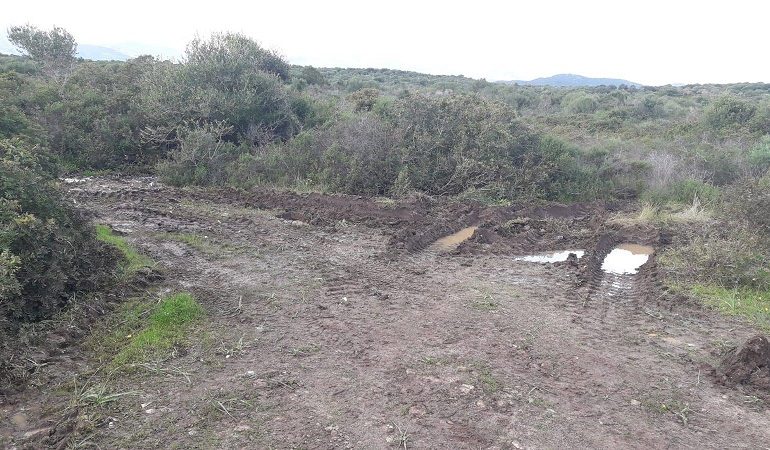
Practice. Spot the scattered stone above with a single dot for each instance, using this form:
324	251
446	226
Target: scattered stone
466	388
19	421
416	411
32	434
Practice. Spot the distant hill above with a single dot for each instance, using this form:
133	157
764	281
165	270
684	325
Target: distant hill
99	53
117	52
572	80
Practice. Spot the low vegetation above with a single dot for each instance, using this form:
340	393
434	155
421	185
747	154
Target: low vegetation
143	331
132	260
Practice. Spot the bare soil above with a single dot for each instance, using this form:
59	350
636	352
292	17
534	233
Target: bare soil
331	323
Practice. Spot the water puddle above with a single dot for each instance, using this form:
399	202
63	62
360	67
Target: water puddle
627	258
74	180
451	242
552	257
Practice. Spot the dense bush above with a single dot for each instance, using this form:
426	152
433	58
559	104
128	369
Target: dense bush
229	79
100	116
201	156
759	156
729	111
750	201
443	145
47	252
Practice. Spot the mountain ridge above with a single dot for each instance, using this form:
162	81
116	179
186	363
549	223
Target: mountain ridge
572	80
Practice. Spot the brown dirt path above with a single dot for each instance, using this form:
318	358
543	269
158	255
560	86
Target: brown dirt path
333	336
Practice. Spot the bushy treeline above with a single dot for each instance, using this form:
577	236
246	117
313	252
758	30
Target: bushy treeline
232	112
438	145
48	252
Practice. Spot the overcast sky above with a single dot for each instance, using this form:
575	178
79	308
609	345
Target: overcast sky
650	42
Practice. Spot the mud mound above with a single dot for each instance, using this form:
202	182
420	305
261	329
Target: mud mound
748	364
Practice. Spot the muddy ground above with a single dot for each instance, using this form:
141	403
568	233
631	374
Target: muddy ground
333	323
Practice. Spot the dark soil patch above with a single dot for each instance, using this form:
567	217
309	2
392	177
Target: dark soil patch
748	364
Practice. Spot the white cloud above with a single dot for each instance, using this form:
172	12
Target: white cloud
653	42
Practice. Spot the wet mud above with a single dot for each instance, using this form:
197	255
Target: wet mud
345	322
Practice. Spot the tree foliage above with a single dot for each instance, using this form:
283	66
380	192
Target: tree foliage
54	48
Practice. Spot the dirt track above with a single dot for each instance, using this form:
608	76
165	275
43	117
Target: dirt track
332	325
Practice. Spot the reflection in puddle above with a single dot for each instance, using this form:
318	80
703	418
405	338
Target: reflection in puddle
453	240
551	257
627	258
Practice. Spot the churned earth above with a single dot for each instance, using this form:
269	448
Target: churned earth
339	322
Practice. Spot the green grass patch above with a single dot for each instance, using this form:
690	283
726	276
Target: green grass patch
485	302
132	260
486	379
752	304
142	332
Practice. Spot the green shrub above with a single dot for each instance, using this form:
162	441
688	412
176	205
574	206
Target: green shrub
48	253
201	157
750	201
364	99
729	111
229	79
759	156
579	103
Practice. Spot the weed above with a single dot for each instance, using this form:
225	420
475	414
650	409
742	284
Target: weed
667	215
96	395
751	304
435	360
485	303
678	408
488	382
232	350
403	436
306	350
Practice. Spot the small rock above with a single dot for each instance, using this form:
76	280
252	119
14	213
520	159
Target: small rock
19	420
636	402
466	388
416	411
37	433
150	411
